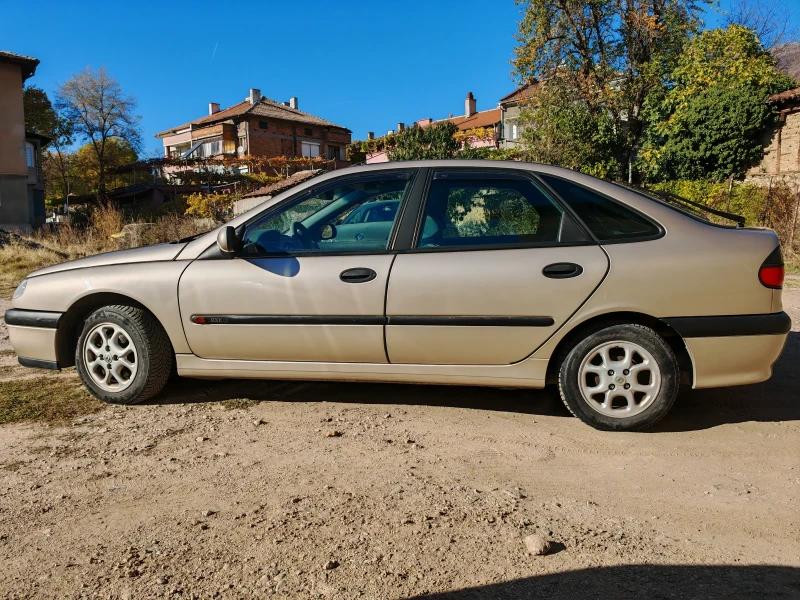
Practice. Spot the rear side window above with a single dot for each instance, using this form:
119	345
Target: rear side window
608	220
476	209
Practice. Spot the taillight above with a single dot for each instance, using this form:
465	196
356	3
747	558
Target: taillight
771	272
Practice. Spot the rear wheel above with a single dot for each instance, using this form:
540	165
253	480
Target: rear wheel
620	378
123	355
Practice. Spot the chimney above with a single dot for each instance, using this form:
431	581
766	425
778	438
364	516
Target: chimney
401	127
293	102
390	132
370	135
424	122
213	107
255	95
470	105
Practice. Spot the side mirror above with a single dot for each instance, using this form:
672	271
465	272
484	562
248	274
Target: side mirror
226	240
328	232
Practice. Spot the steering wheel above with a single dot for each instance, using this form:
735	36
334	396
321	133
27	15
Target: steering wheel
300	232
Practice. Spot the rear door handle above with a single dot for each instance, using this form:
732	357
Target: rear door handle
562	270
357	275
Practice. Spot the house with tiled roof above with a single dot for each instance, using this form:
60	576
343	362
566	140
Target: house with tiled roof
257	126
510	108
780	160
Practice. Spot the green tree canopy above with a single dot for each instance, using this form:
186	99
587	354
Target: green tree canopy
39	114
606	56
432	142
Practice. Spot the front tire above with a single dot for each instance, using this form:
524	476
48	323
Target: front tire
620	378
123	355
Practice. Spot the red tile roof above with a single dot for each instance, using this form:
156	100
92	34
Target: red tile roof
263	108
524	91
784	96
284	184
485	118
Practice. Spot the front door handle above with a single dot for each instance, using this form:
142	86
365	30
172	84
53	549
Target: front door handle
562	270
357	275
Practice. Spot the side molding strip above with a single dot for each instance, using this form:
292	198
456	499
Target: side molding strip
372	320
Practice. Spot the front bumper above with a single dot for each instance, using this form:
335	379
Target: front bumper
32	334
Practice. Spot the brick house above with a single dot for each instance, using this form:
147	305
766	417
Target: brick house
781	158
258	127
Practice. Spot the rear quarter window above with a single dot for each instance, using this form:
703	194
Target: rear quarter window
609	221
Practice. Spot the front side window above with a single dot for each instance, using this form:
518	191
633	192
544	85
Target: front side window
357	216
466	209
607	220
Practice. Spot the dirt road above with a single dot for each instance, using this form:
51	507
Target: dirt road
395	491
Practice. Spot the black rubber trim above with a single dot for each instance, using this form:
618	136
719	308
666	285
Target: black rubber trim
729	326
289	320
32	318
37	363
371	320
473	321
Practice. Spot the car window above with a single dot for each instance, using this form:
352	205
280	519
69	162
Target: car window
606	219
333	219
479	209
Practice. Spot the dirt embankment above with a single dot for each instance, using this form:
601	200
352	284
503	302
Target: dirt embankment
395	491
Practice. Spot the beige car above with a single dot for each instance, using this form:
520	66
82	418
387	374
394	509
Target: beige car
485	273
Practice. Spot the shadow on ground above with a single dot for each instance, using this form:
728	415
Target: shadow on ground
773	400
643	581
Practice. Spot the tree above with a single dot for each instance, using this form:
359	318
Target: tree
95	103
39	114
431	142
712	121
605	55
118	152
769	20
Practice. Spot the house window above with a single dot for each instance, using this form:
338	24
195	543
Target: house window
310	150
334	152
262	124
29	155
514	133
309	131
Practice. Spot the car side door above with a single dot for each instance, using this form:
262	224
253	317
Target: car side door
495	267
292	292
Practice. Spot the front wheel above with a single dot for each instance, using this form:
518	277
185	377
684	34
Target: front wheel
123	355
620	378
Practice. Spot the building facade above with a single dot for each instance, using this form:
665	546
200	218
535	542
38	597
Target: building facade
257	127
21	183
781	159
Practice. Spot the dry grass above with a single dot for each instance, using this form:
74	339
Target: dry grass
45	399
239	403
18	259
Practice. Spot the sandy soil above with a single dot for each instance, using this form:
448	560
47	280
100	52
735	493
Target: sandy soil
394	491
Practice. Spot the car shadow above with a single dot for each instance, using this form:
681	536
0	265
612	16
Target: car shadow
642	581
773	400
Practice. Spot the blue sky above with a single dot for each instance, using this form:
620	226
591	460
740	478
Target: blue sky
363	64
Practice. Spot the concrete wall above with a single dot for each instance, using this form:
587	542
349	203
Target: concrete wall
510	114
781	149
14	200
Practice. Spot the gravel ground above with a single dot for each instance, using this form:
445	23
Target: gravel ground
335	490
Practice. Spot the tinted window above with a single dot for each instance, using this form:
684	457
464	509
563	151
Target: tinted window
321	221
478	210
606	219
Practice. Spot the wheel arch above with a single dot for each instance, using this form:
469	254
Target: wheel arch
672	337
70	325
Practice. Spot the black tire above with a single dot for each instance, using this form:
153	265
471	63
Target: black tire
657	406
154	354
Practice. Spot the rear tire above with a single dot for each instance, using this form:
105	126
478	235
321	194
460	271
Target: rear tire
123	355
620	378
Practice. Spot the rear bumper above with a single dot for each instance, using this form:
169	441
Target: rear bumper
735	350
33	336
